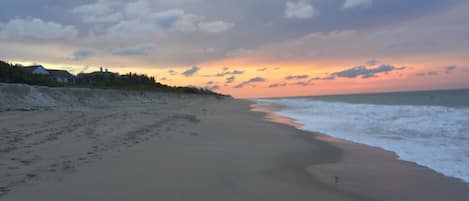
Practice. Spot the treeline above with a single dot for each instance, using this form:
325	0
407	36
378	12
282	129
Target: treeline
16	74
139	82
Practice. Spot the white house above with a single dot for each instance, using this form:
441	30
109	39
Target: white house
61	76
38	69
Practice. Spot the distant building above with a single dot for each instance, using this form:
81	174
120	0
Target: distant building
96	76
37	69
61	76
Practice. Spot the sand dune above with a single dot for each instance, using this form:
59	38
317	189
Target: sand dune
59	133
26	97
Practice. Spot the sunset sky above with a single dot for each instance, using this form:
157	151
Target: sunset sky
249	48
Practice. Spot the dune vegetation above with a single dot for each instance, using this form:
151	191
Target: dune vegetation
10	73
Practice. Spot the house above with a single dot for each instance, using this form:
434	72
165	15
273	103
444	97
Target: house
61	76
97	76
37	69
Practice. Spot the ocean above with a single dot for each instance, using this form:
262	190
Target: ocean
430	128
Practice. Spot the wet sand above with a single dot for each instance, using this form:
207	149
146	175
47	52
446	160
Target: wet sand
378	173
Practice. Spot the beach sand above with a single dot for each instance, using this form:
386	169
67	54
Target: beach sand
380	175
185	148
169	147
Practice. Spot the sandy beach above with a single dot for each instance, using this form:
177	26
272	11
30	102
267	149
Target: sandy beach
150	146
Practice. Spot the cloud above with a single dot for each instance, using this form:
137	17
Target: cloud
169	18
261	69
323	78
276	85
172	72
364	72
333	35
450	69
230	79
142	20
372	62
302	83
357	3
387	35
447	70
215	26
191	72
82	54
175	20
183	31
300	10
137	9
179	20
250	81
36	29
403	44
99	12
226	72
136	50
236	72
431	73
299	83
131	31
296	77
238	52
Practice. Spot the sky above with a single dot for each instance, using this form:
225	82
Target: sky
249	48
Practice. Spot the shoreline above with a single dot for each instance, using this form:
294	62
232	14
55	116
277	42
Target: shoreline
180	149
168	147
376	172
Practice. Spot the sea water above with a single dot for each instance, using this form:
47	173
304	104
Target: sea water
429	128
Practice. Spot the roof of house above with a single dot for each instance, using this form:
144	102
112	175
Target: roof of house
60	73
32	68
56	73
97	73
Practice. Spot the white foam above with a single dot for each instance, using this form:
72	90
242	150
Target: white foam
433	136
